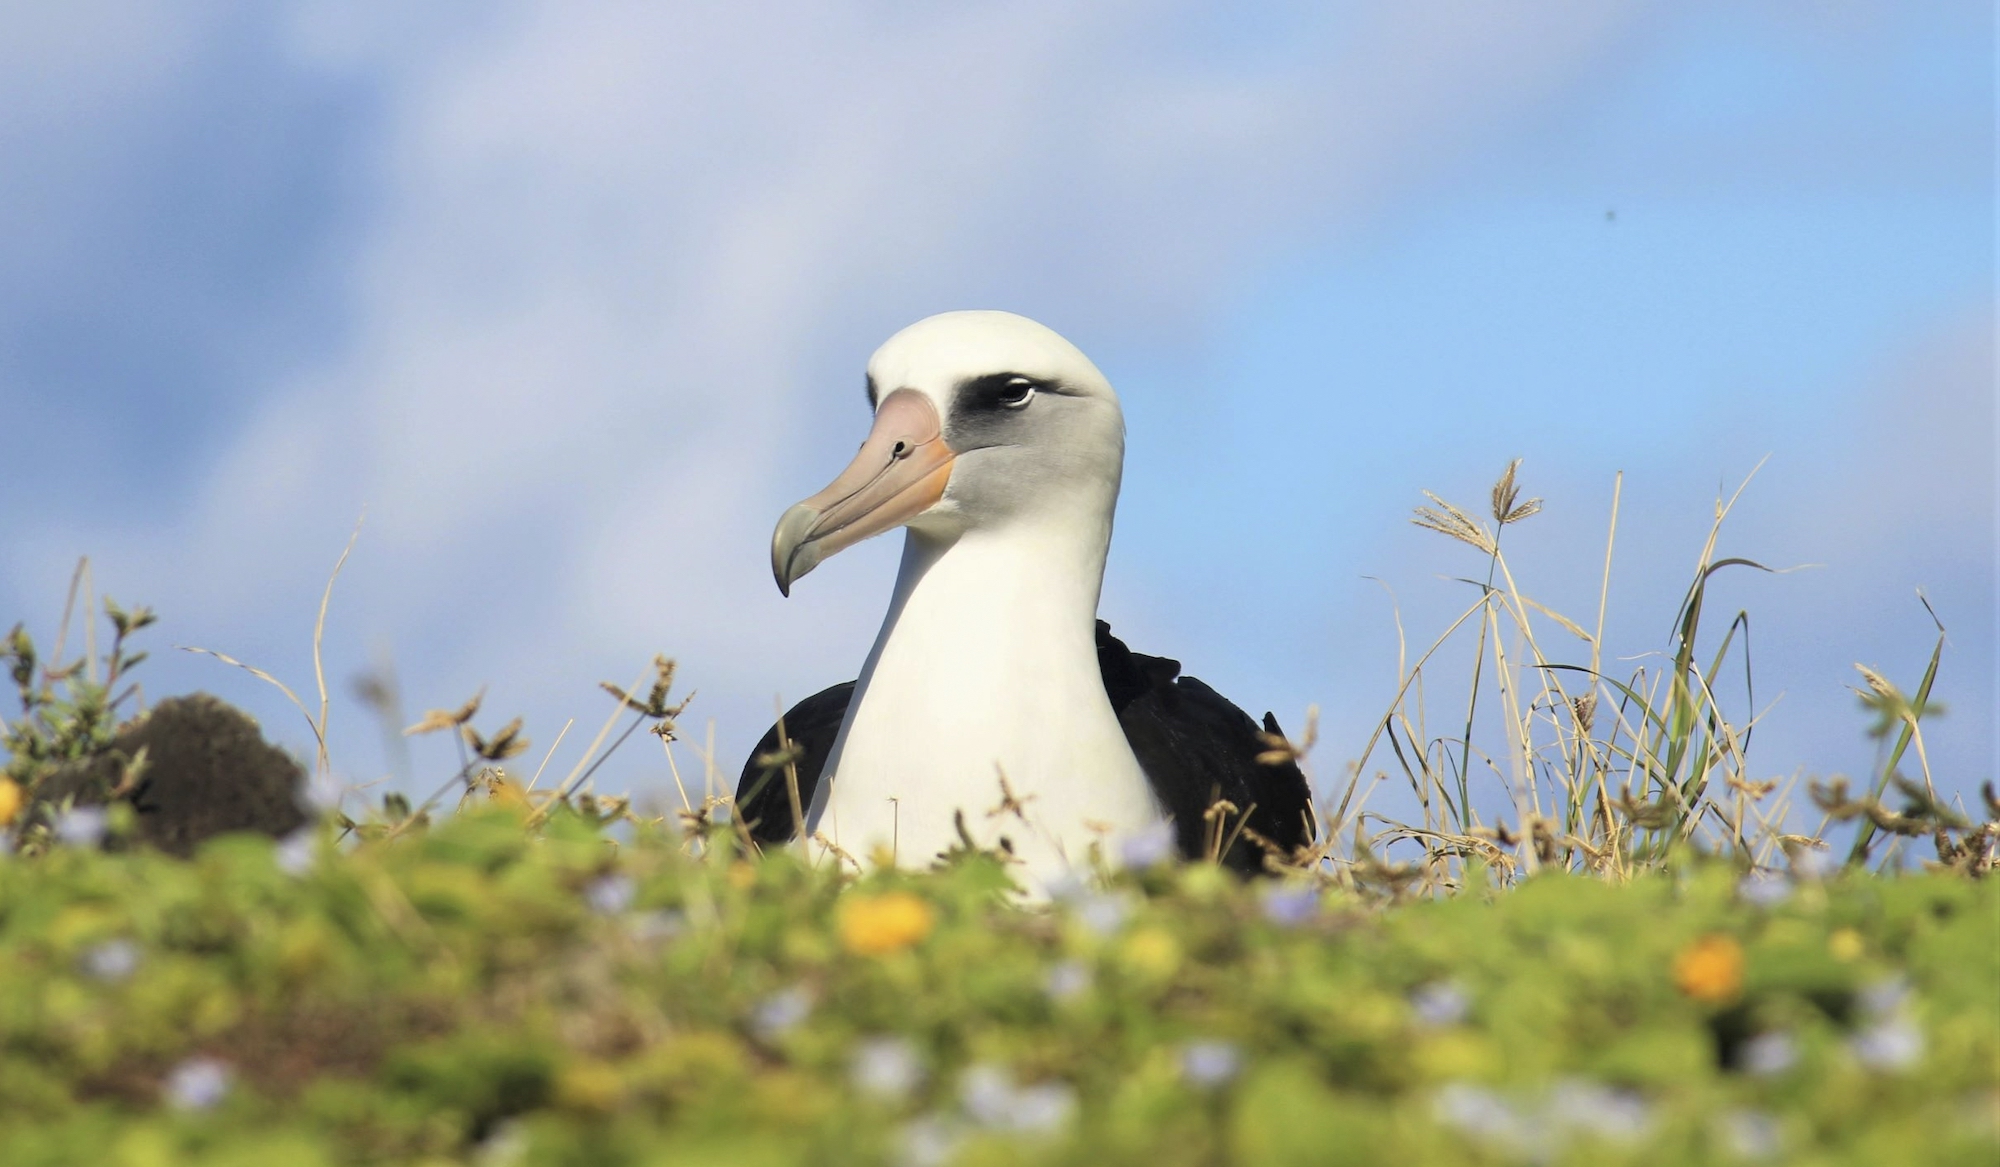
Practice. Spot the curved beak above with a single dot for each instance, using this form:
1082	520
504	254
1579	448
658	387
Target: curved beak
900	473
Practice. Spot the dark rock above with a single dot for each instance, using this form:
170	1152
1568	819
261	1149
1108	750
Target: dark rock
208	772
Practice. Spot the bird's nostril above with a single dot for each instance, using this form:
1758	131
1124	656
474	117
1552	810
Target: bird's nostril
901	449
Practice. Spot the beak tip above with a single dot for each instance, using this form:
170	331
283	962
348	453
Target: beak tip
792	553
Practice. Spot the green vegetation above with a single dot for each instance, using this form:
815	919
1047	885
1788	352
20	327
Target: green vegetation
1643	966
483	993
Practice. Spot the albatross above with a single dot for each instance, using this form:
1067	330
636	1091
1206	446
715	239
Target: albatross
995	708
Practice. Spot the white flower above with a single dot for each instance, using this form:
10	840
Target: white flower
887	1067
324	793
1209	1063
1439	1004
113	960
82	826
610	895
295	852
198	1083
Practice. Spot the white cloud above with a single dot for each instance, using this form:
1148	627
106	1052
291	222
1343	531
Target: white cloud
608	304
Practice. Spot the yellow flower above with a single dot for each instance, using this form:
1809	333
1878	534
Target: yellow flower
872	925
10	801
1153	953
1710	970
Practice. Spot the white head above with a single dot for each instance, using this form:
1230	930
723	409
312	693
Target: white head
982	419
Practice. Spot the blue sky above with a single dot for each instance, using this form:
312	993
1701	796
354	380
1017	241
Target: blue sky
574	301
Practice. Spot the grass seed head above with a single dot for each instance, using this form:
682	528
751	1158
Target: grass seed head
1447	519
503	745
1507	507
438	719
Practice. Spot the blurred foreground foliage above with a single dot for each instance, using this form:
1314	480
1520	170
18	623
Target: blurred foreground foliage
492	991
1634	963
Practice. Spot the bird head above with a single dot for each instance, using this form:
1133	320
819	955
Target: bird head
982	419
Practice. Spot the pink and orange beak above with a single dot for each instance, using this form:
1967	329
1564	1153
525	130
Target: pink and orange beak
899	473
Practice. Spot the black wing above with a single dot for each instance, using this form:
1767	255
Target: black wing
1198	748
1194	745
763	794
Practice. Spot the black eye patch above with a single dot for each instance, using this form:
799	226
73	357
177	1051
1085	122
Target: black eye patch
997	391
874	395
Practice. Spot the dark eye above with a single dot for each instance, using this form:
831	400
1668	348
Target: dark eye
1015	392
997	391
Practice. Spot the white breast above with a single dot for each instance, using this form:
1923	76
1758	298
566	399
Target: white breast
986	666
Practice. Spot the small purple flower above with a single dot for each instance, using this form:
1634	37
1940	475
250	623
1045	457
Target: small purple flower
1610	1113
1068	980
656	926
1042	1108
1066	886
1209	1063
1884	996
1102	912
986	1092
782	1012
82	826
505	1147
1439	1004
1479	1112
1768	1054
929	1141
988	1095
1290	905
610	895
1763	890
198	1083
1813	863
1894	1044
887	1067
112	960
1751	1134
1148	847
324	793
